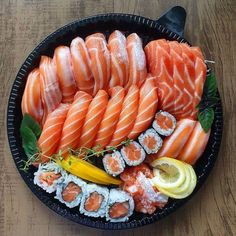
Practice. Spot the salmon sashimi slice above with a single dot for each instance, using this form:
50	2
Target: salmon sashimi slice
111	117
81	65
93	202
31	100
198	52
52	130
137	60
71	192
63	63
74	122
195	145
146	109
173	144
119	210
49	86
100	60
119	59
93	119
127	116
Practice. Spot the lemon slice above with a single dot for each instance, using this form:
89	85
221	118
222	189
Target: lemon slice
169	173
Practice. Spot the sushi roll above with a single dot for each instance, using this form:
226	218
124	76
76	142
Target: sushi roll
94	201
133	154
113	163
120	206
49	176
164	123
150	141
70	191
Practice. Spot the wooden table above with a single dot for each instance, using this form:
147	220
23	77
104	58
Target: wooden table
211	24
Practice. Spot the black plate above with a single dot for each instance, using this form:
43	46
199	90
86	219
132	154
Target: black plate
148	30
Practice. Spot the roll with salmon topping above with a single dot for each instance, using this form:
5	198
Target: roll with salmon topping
94	201
164	123
113	163
133	154
120	206
49	176
150	141
70	191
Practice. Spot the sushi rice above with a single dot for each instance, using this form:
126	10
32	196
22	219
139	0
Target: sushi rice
119	196
64	184
91	188
49	167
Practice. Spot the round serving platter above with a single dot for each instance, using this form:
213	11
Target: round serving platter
148	30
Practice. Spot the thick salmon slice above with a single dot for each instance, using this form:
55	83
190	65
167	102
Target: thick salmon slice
81	65
127	116
93	202
137	61
70	192
100	60
31	100
63	63
146	109
119	59
74	122
93	119
119	210
195	145
52	131
111	117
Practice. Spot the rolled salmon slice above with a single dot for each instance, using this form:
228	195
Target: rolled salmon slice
127	116
93	119
195	145
100	60
119	59
31	100
74	122
137	61
49	86
146	109
63	63
52	129
111	117
81	65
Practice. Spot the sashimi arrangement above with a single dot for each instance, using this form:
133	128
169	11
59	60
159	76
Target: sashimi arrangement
111	127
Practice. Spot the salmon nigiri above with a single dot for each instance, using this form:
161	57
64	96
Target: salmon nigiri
51	134
74	122
127	116
50	90
93	119
100	60
147	107
119	59
31	100
195	145
111	117
81	65
137	60
62	61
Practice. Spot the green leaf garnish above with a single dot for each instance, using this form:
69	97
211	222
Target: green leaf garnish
206	118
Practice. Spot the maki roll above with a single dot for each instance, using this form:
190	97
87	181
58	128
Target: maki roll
133	154
113	163
49	176
120	206
164	123
94	201
70	191
150	141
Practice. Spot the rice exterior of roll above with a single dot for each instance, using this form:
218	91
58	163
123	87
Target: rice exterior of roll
70	191
113	163
120	206
150	141
49	176
164	123
133	154
94	201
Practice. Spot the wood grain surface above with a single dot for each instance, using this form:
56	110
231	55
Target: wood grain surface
211	24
